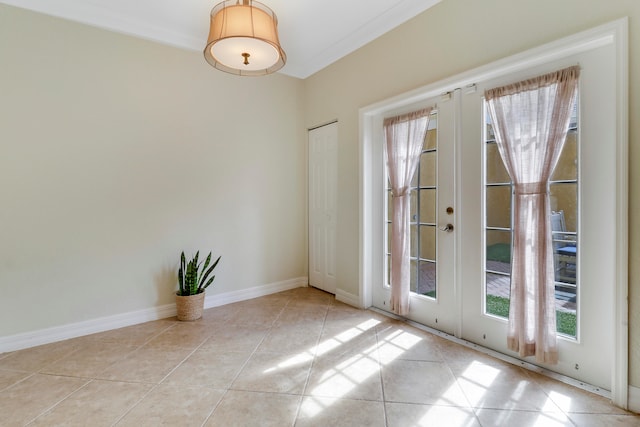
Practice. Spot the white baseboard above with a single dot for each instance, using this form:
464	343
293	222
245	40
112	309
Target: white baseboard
87	327
348	298
92	326
255	292
633	403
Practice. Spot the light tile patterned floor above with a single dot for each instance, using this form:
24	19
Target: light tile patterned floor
294	358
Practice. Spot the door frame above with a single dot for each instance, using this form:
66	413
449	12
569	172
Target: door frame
614	34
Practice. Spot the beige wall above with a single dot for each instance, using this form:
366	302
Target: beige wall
452	37
117	153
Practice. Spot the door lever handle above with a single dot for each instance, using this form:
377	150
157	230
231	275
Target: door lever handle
448	228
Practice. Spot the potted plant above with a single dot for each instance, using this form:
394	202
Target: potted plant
192	281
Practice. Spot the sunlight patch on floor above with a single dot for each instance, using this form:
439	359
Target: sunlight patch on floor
340	380
454	416
531	419
311	408
478	378
562	400
550	419
298	359
396	344
345	336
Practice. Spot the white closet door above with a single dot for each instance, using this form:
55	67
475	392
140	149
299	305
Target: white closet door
323	181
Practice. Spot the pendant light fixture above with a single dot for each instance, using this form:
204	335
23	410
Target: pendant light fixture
243	39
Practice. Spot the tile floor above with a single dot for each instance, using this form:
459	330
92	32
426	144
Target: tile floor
293	358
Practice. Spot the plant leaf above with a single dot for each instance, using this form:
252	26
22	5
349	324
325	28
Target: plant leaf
181	273
191	277
208	272
208	283
202	276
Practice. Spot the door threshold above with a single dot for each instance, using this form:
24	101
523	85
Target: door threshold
501	356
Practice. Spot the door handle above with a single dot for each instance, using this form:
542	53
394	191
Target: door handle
448	228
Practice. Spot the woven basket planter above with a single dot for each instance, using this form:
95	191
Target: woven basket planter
190	307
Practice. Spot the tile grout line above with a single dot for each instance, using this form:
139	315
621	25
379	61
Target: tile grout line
88	380
39	371
159	383
59	401
464	393
29	375
315	353
255	350
527	373
155	385
380	367
144	396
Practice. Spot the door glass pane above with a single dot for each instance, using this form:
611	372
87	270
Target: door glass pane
499	206
564	223
567	169
414	180
414	241
498	231
498	251
427	213
423	217
431	140
427	279
428	242
413	207
428	169
428	206
389	205
498	272
564	198
497	297
414	275
496	172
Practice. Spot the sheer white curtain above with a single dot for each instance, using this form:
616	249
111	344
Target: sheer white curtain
530	120
404	138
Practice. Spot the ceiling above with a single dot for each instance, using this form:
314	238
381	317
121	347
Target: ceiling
313	33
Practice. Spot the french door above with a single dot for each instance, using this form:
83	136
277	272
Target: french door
582	191
433	224
461	216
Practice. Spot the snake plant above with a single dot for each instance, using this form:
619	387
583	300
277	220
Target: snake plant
191	279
